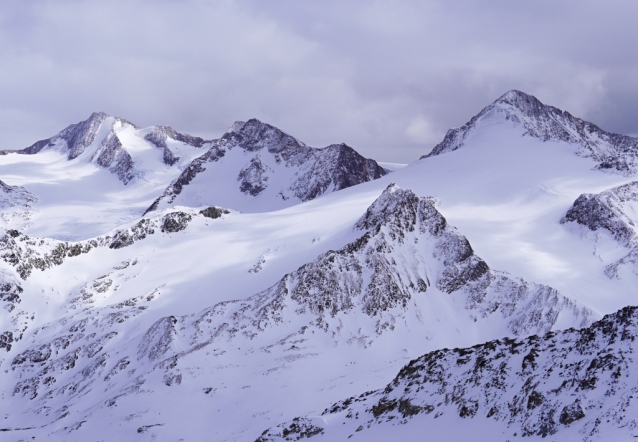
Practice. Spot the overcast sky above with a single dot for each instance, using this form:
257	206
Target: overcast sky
386	77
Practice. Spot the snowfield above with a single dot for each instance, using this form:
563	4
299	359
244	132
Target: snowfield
166	287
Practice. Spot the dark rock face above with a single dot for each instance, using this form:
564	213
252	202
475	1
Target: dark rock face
547	123
158	339
537	385
26	254
352	168
214	212
126	237
336	167
169	157
611	211
318	171
112	155
607	211
300	428
10	291
6	338
255	135
160	134
175	221
571	413
253	178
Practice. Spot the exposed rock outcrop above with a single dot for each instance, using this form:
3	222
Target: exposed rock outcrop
537	386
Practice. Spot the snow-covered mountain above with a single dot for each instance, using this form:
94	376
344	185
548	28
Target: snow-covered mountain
407	272
94	175
257	167
99	140
575	385
105	171
547	123
226	309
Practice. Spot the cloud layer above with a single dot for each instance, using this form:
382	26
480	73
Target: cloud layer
388	78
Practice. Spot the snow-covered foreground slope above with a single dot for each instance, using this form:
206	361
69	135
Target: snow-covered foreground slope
256	167
574	385
404	282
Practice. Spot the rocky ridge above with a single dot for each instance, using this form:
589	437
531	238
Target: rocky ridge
578	381
160	134
26	254
611	151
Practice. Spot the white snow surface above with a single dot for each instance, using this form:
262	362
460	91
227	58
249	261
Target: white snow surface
106	312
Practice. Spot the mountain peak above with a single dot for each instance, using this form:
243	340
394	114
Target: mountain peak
98	116
548	123
254	135
528	105
515	95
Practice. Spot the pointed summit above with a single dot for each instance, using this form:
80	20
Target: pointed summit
253	135
516	96
548	123
77	136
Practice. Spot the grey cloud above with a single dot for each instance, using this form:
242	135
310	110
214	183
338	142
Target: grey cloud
386	77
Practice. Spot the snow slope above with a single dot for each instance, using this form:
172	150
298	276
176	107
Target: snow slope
16	204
